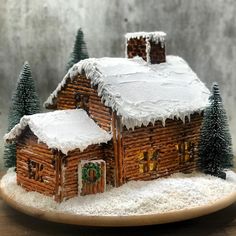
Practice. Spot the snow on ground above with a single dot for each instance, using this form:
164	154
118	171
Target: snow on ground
32	199
64	130
177	192
141	92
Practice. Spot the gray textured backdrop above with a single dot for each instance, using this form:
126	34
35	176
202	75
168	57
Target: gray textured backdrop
202	32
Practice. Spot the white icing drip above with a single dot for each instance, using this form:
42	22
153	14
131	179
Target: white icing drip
64	130
157	36
148	50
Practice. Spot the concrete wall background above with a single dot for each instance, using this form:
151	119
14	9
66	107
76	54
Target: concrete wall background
203	32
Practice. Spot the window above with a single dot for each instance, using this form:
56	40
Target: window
148	161
186	151
35	170
82	101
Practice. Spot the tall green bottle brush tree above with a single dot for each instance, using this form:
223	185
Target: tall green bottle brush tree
79	50
215	147
25	101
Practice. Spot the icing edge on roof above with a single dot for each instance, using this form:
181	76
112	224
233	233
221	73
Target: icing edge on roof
64	130
91	68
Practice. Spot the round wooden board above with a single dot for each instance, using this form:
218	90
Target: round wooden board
114	221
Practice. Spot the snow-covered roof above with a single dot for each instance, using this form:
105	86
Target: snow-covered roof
156	36
64	130
141	92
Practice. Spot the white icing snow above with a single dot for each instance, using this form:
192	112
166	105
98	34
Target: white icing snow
156	36
141	92
64	130
174	193
148	50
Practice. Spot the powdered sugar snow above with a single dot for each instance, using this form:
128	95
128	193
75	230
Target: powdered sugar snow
177	192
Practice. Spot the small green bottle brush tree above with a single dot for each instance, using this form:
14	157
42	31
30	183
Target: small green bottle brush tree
79	51
25	101
215	147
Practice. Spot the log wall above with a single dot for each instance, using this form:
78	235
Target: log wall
96	109
70	168
165	141
28	151
110	163
59	175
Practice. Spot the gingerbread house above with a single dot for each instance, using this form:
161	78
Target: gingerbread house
116	120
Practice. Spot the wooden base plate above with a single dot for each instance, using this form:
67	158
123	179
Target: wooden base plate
110	221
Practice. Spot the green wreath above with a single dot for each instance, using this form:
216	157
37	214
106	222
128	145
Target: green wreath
85	172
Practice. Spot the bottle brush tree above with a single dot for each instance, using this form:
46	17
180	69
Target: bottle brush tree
215	147
79	51
25	101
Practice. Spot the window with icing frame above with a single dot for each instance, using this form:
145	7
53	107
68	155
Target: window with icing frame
82	101
35	170
148	161
186	151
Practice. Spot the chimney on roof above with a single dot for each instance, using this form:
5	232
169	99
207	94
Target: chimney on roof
148	45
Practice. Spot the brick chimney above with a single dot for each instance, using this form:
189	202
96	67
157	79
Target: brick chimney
148	45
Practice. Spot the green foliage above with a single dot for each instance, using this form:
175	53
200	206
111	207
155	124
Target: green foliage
79	50
10	155
24	102
215	147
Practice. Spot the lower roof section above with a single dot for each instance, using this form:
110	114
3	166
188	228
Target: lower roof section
64	130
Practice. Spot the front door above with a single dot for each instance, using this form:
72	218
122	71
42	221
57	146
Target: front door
92	177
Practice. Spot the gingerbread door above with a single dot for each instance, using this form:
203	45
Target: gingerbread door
92	177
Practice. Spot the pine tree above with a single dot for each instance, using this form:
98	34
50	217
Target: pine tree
24	102
215	147
79	50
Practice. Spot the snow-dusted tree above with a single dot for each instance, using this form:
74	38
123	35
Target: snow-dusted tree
215	147
25	101
79	51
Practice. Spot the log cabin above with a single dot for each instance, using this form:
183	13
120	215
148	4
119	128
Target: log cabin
115	120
